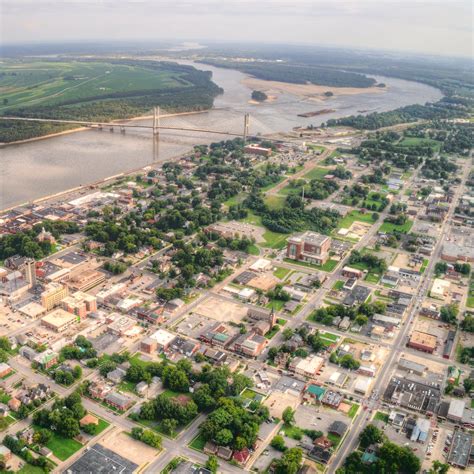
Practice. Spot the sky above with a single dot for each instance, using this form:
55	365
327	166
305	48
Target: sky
429	26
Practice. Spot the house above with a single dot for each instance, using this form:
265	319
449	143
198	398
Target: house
338	428
28	353
210	448
141	388
224	452
14	404
5	369
118	400
117	375
4	410
99	390
323	442
319	454
241	456
359	294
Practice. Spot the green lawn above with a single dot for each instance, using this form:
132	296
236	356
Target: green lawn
126	386
273	201
424	265
273	240
416	141
63	448
272	332
353	411
281	272
272	185
329	266
472	403
292	431
317	172
102	426
277	305
289	189
388	227
381	416
253	250
338	285
314	147
372	277
334	438
329	335
197	443
30	469
234	200
353	216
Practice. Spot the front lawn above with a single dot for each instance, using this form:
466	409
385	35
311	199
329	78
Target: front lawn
334	438
277	305
272	331
353	410
329	266
63	448
292	431
338	285
381	416
372	277
253	250
281	272
198	443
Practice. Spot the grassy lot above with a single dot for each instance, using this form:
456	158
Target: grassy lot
424	265
338	285
249	393
126	386
314	147
6	421
273	240
30	469
272	332
253	250
470	296
329	266
317	172
415	141
63	448
234	200
372	277
289	189
273	201
353	411
329	335
353	216
197	443
281	321
281	272
472	403
389	228
381	416
102	426
277	305
292	431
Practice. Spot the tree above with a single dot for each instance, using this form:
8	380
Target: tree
224	437
449	313
89	428
370	435
42	436
467	324
439	468
288	415
68	427
278	443
169	425
290	462
151	438
212	464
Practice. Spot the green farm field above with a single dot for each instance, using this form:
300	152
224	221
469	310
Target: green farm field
50	83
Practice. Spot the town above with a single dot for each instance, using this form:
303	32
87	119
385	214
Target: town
302	302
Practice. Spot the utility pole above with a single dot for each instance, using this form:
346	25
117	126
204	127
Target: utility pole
246	126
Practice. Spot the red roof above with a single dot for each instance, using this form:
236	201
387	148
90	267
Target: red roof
242	456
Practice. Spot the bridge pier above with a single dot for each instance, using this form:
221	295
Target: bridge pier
246	126
156	121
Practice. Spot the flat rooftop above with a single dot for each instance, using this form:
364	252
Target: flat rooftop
100	460
423	338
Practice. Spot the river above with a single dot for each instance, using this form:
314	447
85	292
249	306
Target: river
31	170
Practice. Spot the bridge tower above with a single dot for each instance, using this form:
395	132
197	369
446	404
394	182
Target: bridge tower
156	121
246	126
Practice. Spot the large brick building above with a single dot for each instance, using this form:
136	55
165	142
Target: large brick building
309	247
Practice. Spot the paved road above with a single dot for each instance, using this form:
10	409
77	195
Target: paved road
351	441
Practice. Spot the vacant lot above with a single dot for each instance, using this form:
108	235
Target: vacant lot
221	310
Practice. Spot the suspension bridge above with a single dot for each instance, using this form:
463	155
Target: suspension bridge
155	127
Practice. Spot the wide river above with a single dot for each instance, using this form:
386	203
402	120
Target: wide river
31	170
